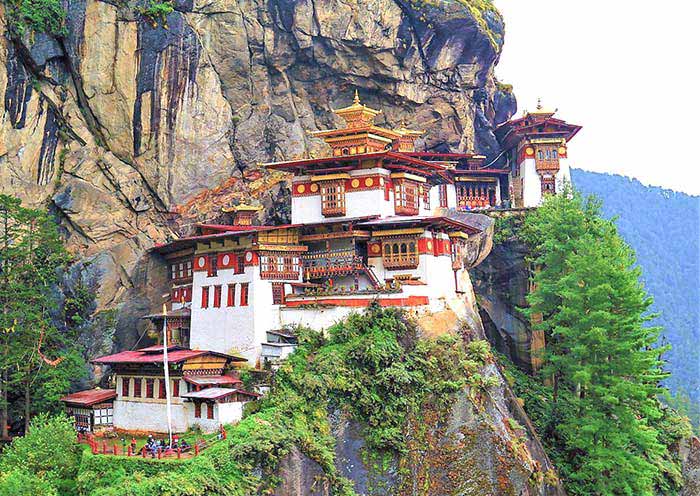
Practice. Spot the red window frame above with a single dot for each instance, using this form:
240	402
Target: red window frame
205	297
210	411
244	294
149	388
125	386
161	389
176	388
197	410
231	296
217	296
426	196
137	387
277	293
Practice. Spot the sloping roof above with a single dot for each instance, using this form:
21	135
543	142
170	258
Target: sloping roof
154	354
399	221
90	397
208	380
216	393
179	312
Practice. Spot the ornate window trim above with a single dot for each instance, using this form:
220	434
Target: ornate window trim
332	198
400	253
406	197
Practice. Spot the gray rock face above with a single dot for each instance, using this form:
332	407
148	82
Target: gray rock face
123	120
501	282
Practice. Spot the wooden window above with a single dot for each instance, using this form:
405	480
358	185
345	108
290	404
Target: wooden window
277	293
217	296
212	269
426	196
244	294
279	266
240	264
442	189
400	253
406	197
548	185
387	189
197	410
210	411
161	389
188	268
333	198
125	387
176	388
231	296
173	271
205	297
137	387
149	388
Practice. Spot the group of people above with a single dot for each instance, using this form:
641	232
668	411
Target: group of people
153	445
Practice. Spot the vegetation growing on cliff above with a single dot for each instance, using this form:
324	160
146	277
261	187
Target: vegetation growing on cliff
36	16
373	367
596	398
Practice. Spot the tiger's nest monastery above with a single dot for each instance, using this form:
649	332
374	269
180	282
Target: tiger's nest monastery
373	221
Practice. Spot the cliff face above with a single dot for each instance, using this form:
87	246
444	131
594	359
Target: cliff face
123	120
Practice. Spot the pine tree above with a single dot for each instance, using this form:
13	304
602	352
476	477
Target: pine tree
31	257
600	360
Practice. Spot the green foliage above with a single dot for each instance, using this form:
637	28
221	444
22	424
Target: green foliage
372	367
157	11
661	225
600	415
32	257
37	16
20	483
46	457
506	228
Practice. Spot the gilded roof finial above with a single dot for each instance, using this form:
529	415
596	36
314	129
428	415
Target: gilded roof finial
539	103
356	100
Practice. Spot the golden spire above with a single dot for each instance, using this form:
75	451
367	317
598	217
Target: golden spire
357	114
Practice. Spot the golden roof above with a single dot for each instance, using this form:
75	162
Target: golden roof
242	208
540	110
357	114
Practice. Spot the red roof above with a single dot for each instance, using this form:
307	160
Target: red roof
154	354
90	397
211	380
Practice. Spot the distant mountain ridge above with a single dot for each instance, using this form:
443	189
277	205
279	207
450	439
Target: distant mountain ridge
663	227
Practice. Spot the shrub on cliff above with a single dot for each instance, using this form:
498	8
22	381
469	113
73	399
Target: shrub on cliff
45	459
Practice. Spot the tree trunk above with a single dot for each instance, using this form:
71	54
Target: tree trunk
27	404
4	414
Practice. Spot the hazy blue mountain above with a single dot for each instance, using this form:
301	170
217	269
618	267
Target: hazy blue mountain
663	227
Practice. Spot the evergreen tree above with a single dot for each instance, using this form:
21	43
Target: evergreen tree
600	361
31	347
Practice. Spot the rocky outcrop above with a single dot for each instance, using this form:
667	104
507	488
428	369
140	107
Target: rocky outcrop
482	445
501	283
122	124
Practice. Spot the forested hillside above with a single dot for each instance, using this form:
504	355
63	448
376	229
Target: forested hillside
663	227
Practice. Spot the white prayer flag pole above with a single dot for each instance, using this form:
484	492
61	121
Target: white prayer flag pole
167	375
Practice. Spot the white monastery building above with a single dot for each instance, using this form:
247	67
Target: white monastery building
373	221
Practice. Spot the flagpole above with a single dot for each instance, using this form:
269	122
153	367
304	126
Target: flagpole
167	376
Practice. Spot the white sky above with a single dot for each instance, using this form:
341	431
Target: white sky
627	71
